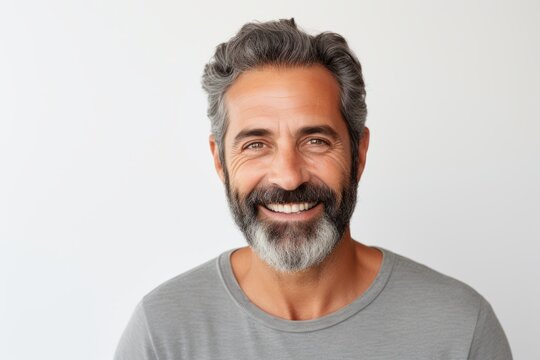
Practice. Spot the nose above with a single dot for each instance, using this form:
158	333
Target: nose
288	169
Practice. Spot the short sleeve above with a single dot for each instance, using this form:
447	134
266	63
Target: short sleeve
136	342
489	341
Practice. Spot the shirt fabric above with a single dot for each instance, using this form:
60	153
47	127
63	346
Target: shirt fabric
409	312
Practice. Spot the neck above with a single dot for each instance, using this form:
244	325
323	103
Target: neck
343	276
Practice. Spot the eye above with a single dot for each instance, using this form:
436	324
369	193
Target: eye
317	141
257	145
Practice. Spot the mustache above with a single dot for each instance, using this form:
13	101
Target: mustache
306	192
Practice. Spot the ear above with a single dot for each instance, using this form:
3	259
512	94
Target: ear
214	149
363	146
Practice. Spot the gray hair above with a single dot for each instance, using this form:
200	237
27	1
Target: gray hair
281	43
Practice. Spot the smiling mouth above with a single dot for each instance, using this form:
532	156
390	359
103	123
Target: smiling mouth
290	208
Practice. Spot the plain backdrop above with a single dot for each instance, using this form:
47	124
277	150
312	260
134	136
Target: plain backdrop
107	188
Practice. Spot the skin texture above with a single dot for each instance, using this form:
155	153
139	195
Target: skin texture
285	129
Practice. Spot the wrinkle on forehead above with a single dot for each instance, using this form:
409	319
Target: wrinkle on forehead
276	92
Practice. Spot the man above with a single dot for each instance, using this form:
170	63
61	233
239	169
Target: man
289	142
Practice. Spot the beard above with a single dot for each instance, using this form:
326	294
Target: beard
296	245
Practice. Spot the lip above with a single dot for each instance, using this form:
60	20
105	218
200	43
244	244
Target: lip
299	216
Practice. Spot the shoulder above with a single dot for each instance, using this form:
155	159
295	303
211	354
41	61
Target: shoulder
170	311
433	303
432	293
423	279
198	277
199	289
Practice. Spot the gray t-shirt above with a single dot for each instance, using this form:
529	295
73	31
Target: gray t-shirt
408	312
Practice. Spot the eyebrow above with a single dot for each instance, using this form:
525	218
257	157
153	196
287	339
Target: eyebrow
307	130
321	129
250	133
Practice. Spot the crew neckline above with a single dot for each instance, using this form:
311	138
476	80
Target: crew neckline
274	322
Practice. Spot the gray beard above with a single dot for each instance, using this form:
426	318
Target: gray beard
293	247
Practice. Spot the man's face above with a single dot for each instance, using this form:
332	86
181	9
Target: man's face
288	164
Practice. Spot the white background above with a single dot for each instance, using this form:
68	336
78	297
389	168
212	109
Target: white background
107	187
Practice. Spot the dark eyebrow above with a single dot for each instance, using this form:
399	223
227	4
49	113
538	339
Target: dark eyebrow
250	133
322	129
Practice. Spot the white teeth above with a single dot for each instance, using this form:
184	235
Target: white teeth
291	208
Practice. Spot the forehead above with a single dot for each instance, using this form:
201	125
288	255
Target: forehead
270	96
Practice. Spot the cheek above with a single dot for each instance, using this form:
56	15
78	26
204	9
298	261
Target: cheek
332	169
246	175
